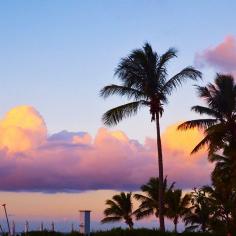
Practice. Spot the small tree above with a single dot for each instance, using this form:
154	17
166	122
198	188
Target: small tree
119	208
177	205
200	211
149	200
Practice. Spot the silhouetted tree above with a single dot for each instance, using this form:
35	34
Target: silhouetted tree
220	128
149	202
177	205
200	212
144	79
119	208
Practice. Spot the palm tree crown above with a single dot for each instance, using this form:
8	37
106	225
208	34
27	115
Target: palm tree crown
177	205
200	212
143	75
119	208
149	200
220	128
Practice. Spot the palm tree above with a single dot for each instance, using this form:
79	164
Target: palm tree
200	211
225	169
119	208
223	200
144	79
220	128
149	200
177	206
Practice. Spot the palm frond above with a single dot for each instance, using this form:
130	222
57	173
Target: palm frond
201	144
140	214
206	111
141	197
164	59
217	158
117	114
182	76
200	124
204	92
111	219
114	89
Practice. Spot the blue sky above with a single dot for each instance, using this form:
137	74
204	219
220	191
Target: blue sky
56	55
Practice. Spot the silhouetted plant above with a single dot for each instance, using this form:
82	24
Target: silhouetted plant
119	208
149	200
220	129
177	205
144	79
199	214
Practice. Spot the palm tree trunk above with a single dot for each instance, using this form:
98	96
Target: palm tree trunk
175	228
130	223
175	223
130	226
160	166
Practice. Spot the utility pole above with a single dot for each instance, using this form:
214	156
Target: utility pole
9	230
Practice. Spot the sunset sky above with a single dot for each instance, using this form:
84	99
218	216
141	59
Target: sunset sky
55	56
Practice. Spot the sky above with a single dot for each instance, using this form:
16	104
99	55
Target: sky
55	56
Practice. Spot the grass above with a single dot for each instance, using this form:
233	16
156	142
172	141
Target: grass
143	232
119	232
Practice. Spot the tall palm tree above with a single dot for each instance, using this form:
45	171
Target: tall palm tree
144	80
120	207
149	200
220	128
177	205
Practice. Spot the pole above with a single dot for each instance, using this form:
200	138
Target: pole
53	227
26	227
9	230
13	228
1	229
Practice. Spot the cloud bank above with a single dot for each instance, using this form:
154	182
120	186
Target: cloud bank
221	57
76	161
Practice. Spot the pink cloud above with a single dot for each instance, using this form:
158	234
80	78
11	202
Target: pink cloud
221	57
75	161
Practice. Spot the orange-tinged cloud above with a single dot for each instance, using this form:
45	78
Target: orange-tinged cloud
85	140
72	161
119	135
181	140
22	129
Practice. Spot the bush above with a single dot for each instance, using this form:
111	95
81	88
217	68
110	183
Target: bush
119	232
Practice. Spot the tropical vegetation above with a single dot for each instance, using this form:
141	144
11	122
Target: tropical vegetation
120	207
145	82
149	199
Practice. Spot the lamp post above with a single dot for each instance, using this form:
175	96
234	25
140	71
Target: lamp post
9	230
